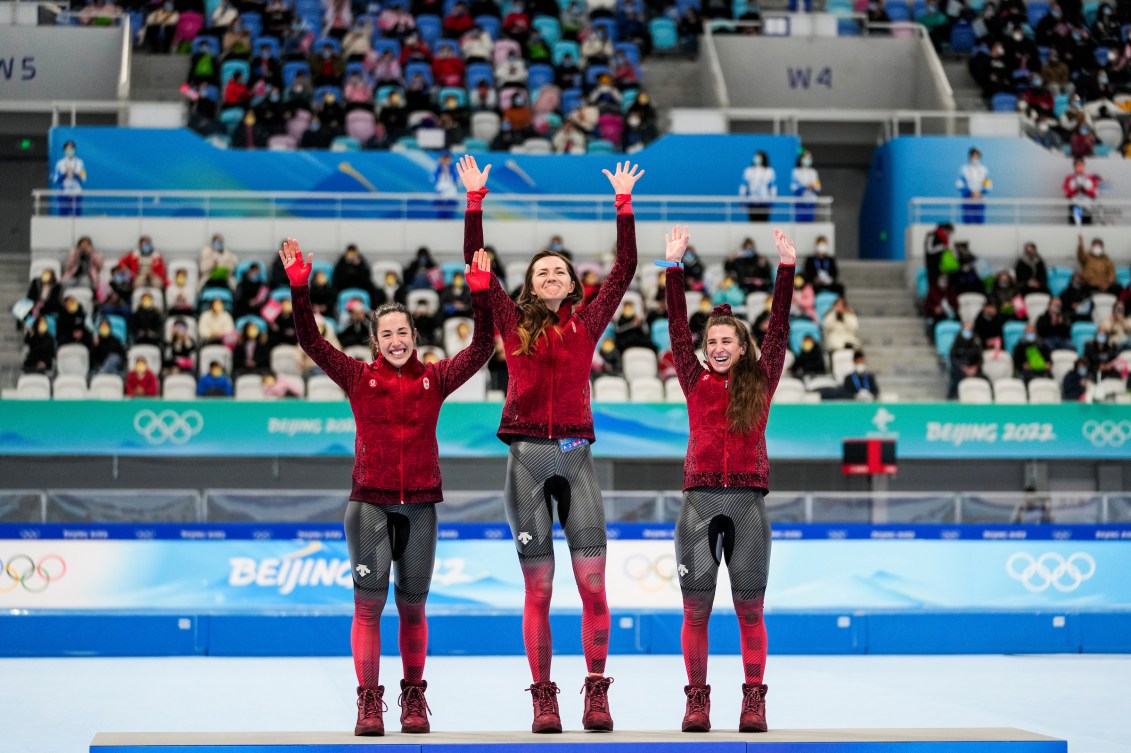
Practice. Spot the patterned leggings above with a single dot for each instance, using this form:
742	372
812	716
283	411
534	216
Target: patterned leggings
714	525
538	473
382	538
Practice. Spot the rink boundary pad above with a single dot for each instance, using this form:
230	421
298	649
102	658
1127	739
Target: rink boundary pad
988	740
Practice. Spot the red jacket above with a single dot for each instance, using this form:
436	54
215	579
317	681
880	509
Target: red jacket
395	410
548	389
716	456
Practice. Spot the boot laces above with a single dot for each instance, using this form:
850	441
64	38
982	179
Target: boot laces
752	698
545	697
598	689
412	699
697	699
370	703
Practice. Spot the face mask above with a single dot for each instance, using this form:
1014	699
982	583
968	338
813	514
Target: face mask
255	277
104	332
1030	337
758	161
1097	249
147	249
975	161
861	368
806	346
390	281
42	328
217	372
1082	371
69	151
72	307
253	333
1018	36
629	311
1101	338
806	161
45	278
967	333
822	248
747	251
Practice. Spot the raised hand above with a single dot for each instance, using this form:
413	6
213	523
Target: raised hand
676	243
786	252
297	272
624	178
470	174
478	273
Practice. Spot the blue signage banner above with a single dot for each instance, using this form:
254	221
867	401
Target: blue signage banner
624	430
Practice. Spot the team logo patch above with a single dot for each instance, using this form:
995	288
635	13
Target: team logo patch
425	382
372	382
525	538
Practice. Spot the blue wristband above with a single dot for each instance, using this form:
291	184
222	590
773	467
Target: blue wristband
669	264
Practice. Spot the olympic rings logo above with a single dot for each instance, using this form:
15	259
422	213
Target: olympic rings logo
1107	433
34	577
168	426
1050	569
653	574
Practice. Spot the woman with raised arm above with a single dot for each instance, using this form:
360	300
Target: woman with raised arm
390	520
726	478
548	423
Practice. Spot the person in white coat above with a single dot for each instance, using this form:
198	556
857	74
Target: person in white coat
805	182
974	183
68	177
759	181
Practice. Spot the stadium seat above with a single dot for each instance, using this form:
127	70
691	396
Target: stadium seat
1036	304
474	390
473	146
898	10
1010	391
1102	304
673	393
1109	132
210	294
1063	361
454	91
538	75
549	27
1059	277
1011	334
1044	391
321	388
284	360
600	146
842	363
660	336
790	390
798	328
1004	103
201	39
271	43
107	387
1123	276
229	69
249	387
258	321
118	327
430	28
503	49
824	302
565	47
380	46
945	332
179	387
646	389
429	298
638	363
1082	332
157	294
292	69
69	387
360	352
593	72
192	277
350	294
610	389
210	353
477	72
488	24
73	359
450	44
1037	9
975	390
664	34
962	38
33	387
345	144
608	24
253	22
997	364
38	265
1111	390
85	298
282	142
485	126
151	354
970	305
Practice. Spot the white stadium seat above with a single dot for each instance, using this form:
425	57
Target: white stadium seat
610	389
975	390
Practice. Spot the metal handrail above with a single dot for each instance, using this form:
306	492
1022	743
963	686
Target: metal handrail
928	210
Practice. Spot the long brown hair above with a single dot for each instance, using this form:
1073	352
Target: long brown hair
749	398
534	317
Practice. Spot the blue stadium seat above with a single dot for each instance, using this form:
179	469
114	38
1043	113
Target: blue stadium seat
628	97
210	294
258	321
270	42
245	265
322	266
565	47
1102	56
1059	277
424	69
253	22
848	27
383	93
477	72
489	24
921	283
1011	335
1090	10
322	91
453	91
292	69
280	294
549	28
451	44
1037	9
683	5
323	41
660	336
475	145
945	332
962	37
630	50
609	25
118	327
230	117
825	301
798	328
898	10
571	100
450	268
1123	276
213	42
664	34
1082	332
229	68
430	28
345	144
600	146
593	71
407	142
1004	103
1060	104
918	8
539	75
355	67
392	45
840	7
349	294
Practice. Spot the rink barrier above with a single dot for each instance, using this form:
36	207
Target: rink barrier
28	633
989	740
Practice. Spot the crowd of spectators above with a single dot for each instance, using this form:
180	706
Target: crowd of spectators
218	319
1029	321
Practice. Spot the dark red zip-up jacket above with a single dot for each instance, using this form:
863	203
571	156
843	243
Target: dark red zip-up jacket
716	456
395	410
548	389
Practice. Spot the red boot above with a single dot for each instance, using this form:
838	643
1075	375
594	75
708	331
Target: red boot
596	717
370	704
547	718
753	717
414	708
697	718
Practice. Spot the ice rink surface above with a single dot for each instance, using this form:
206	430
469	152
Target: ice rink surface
57	705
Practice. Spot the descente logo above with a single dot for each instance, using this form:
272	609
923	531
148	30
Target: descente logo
298	569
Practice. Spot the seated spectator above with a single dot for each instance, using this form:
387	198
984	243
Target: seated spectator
117	293
692	269
606	97
426	324
251	355
357	44
83	267
390	290
567	75
461	338
306	364
217	264
455	299
1107	30
965	358
458	22
352	271
147	325
204	66
1097	267
876	13
537	49
99	13
265	67
221	19
624	72
821	269
861	384
804	299
45	293
518	118
1081	189
630	330
141	382
1054	329
236	42
215	383
698	321
395	22
729	292
1102	354
326	66
937	24
215	324
423	272
967	279
1118	326
337	19
573	19
387	70
236	93
607	362
323	295
40	356
249	134
511	72
160	26
1005	296
251	292
447	68
393	116
107	354
989	324
358	93
596	47
282	329
1077	299
658	306
937	242
1031	357
839	326
569	139
516	23
1030	271
300	93
1053	30
281	385
476	46
810	361
70	323
1082	142
415	50
356	329
991	71
497	367
277	19
1074	387
418	95
752	270
179	350
146	266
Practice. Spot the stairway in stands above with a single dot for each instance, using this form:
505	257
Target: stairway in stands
157	78
891	331
967	95
13	286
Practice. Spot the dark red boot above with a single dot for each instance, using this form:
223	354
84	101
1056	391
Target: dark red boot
370	704
753	717
547	718
697	718
596	717
414	707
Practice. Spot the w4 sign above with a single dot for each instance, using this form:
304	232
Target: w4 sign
809	77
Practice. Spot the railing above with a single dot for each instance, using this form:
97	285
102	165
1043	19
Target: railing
892	123
226	505
421	206
70	110
1017	212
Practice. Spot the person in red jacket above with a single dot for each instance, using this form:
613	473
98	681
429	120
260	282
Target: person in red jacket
1082	190
548	423
390	520
725	478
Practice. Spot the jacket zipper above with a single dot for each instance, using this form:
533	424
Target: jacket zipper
400	393
726	433
550	344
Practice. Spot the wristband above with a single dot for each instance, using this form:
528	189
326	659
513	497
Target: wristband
669	264
624	203
475	199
